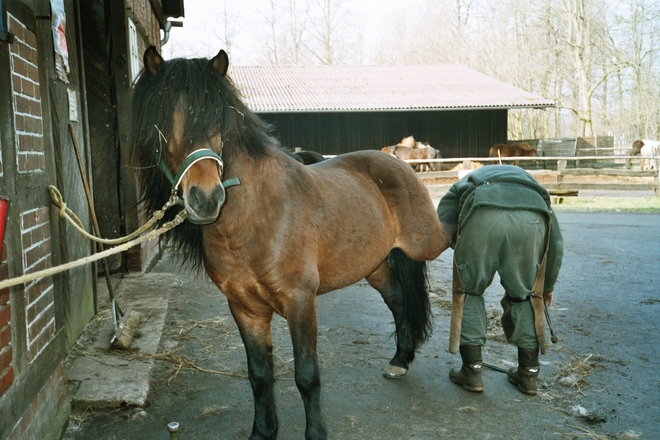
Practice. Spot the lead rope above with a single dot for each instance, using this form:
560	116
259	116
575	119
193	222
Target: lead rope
71	217
180	218
125	243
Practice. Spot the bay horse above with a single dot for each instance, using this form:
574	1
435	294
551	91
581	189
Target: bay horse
520	149
272	233
307	157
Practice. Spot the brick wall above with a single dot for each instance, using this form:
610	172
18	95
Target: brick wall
34	223
44	418
39	307
26	94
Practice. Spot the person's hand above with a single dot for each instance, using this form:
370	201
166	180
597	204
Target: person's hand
547	298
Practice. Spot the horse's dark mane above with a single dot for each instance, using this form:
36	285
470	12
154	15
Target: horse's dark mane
210	104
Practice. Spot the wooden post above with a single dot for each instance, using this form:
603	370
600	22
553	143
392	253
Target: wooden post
561	167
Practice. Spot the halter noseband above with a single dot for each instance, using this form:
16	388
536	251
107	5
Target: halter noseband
192	159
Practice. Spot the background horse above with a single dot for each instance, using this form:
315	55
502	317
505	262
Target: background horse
521	149
408	149
649	150
411	142
287	232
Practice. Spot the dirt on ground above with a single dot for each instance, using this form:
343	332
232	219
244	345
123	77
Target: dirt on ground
598	382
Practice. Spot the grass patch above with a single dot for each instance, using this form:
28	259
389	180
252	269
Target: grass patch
609	204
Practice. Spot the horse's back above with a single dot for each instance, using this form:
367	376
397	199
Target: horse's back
408	203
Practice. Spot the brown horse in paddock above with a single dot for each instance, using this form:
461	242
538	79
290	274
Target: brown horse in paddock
408	149
273	233
520	149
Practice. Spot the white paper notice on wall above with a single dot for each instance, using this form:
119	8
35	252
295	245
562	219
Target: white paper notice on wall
73	106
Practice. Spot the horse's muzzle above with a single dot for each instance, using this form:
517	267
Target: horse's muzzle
203	207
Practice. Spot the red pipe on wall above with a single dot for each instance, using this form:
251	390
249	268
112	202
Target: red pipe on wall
4	203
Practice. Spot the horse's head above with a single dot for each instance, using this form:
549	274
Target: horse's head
637	147
185	107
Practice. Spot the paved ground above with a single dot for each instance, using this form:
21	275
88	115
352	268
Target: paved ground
599	381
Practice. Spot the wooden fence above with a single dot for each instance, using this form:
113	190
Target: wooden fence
555	170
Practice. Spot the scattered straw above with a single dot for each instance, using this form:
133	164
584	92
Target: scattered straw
572	374
212	410
183	363
585	433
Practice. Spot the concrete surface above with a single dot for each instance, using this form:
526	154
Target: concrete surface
104	377
598	382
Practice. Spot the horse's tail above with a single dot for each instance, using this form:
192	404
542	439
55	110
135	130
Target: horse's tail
413	278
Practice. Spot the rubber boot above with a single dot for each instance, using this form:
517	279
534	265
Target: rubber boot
525	375
469	375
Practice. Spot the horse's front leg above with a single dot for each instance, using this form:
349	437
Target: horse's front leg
301	317
256	336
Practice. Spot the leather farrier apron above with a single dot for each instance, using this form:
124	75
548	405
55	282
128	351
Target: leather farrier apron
536	298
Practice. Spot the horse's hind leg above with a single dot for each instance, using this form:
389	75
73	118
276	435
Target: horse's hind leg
256	336
383	280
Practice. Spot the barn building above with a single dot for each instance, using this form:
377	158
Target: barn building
337	109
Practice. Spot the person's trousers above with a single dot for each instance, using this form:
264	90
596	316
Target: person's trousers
511	243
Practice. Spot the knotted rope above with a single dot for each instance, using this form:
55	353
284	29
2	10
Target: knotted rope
71	217
127	242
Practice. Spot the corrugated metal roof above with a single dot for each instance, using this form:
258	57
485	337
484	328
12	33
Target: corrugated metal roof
370	88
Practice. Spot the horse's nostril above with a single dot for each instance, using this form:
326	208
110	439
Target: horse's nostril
204	203
218	195
194	195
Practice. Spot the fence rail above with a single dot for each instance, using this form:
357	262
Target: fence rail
560	171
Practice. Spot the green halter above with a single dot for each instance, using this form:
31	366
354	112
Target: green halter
193	158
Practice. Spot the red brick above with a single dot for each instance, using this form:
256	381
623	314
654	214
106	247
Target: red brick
38	146
6	379
16	83
5	357
20	67
41	340
22	104
5	314
5	336
33	74
16	28
30	38
41	265
39	305
4	294
26	52
34	125
22	163
35	107
33	218
20	122
27	87
31	162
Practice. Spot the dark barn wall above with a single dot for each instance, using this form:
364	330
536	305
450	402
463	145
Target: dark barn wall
456	133
102	121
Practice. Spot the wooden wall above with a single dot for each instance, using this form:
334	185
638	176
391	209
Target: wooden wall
456	133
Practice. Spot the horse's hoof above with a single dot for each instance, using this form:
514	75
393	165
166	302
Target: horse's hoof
394	372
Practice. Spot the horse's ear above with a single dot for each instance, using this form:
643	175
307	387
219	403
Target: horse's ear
153	62
220	63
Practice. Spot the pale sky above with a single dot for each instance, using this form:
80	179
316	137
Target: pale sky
199	36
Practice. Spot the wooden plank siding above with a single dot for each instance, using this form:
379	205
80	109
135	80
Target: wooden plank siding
456	133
